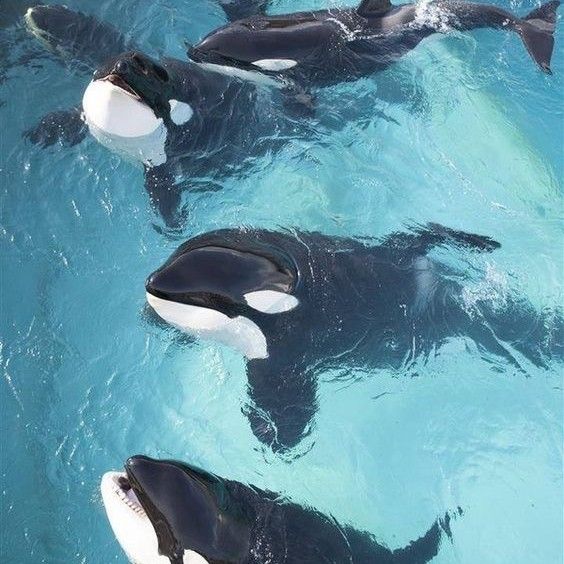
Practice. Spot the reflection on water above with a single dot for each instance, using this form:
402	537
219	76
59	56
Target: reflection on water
463	132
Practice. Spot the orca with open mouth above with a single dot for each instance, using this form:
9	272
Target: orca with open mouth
168	512
177	118
296	305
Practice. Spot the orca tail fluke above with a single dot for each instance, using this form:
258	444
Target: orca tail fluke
425	548
537	32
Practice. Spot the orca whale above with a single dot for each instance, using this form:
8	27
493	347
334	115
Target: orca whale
163	511
297	304
328	46
175	117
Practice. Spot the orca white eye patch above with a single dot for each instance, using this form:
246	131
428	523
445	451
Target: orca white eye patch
271	301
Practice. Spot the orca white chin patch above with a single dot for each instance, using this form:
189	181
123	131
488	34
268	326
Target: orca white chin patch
270	301
239	332
132	528
123	124
275	64
130	523
117	112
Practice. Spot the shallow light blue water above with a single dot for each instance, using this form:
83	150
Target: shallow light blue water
464	131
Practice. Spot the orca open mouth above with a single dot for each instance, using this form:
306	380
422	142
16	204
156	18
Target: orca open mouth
121	487
118	81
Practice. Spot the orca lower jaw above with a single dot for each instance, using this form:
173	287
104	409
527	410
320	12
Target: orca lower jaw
237	332
117	484
130	523
120	83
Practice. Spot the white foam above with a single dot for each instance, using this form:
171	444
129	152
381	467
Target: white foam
433	15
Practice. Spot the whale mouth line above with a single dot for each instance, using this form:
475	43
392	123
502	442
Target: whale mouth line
118	81
121	487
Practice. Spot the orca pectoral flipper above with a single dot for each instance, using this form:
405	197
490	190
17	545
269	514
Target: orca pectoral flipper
423	238
65	127
298	101
283	404
165	195
426	547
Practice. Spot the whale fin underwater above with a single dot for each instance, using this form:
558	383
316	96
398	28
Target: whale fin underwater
164	511
185	124
298	304
66	127
325	47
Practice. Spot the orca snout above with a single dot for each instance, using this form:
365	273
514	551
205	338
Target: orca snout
140	470
164	284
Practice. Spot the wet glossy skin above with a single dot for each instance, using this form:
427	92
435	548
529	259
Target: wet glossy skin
228	522
330	46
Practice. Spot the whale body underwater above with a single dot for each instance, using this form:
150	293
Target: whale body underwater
327	46
168	512
177	118
296	305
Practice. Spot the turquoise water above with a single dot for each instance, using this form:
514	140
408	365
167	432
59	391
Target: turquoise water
464	131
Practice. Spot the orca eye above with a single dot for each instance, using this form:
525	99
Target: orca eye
122	67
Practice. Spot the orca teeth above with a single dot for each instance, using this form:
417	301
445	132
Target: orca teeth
122	488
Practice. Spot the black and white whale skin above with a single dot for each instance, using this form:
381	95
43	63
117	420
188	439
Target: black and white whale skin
298	304
329	46
175	117
168	512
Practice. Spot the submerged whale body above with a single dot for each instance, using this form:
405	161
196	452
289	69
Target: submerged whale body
328	46
174	117
297	305
168	512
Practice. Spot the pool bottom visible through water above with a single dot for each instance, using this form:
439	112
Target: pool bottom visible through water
464	131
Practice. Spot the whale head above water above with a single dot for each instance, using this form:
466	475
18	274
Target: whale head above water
168	512
132	100
165	511
220	289
128	105
143	79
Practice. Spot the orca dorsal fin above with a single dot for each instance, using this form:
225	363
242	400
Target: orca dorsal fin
369	8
